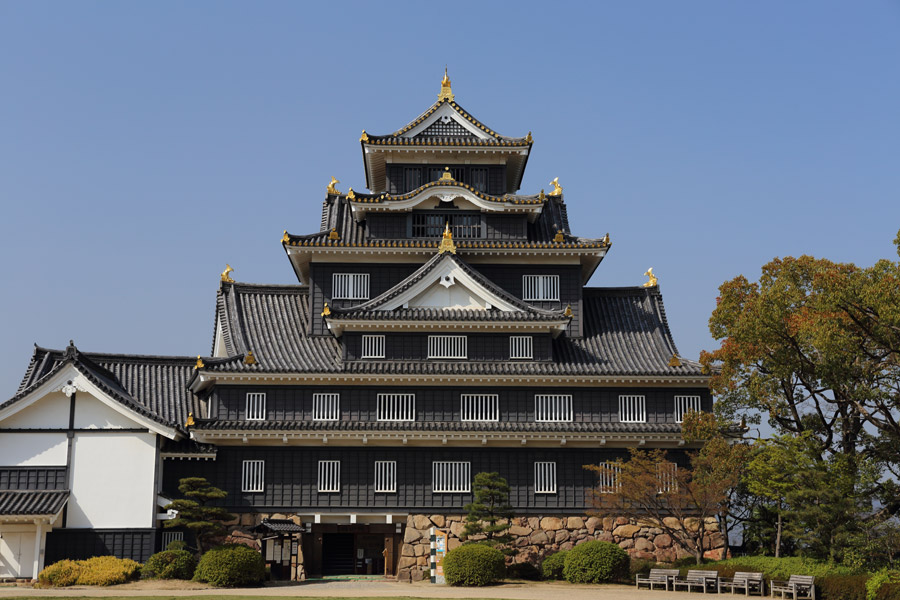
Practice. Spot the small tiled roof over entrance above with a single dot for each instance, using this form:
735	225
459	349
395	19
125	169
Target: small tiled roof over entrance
278	526
15	503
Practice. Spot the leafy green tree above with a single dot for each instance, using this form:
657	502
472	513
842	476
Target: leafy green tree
207	522
490	514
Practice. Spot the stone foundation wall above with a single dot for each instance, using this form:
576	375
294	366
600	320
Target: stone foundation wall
537	537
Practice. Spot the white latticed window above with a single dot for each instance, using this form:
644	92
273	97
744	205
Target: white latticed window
326	407
632	409
350	286
608	478
545	478
540	287
171	536
684	405
396	407
451	477
256	407
373	346
667	473
479	407
329	476
447	346
553	407
520	346
253	476
385	476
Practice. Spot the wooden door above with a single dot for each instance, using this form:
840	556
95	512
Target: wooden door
389	555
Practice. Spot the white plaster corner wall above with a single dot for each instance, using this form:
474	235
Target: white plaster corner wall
33	449
91	413
17	551
50	412
112	480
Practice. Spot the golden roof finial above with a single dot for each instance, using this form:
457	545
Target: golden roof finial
364	137
190	420
568	312
542	196
446	92
326	311
331	189
447	175
285	238
674	361
529	139
557	189
559	238
447	244
653	282
249	359
199	364
606	239
351	195
226	274
334	235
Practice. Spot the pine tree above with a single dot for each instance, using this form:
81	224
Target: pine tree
207	522
491	513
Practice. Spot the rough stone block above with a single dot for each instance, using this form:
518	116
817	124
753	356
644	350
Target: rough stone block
408	550
534	522
422	561
593	524
574	523
406	562
561	536
539	538
551	523
421	522
621	521
518	530
456	528
626	531
453	543
626	544
662	541
438	520
417	575
672	523
422	550
412	535
643	545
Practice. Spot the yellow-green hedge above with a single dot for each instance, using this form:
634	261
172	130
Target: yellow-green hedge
99	570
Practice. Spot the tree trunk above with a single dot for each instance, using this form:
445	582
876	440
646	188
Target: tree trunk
778	534
725	535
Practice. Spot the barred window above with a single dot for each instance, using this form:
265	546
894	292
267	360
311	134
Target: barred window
447	346
667	474
609	477
553	407
479	407
329	476
326	407
256	407
171	536
350	286
684	405
632	409
396	407
545	478
520	346
373	346
540	287
385	476
451	477
253	476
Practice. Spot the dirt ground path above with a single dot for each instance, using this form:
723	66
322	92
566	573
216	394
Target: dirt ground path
352	589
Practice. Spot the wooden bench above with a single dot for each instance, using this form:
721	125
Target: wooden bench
797	587
705	580
751	583
657	577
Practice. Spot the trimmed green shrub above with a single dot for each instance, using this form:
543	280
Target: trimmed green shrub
882	578
474	565
596	562
107	570
777	568
552	567
231	565
170	564
525	570
60	574
177	545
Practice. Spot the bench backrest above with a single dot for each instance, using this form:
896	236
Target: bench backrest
801	579
695	574
663	573
744	576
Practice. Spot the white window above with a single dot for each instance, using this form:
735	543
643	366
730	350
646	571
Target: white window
609	478
684	405
329	476
350	286
396	407
545	478
540	287
553	407
479	407
631	409
373	346
326	407
256	407
451	477
253	476
171	536
667	474
385	476
447	346
520	346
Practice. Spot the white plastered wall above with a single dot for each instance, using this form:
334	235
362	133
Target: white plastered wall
17	550
49	412
33	449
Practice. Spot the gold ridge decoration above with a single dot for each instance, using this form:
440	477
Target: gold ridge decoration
568	311
285	239
364	137
606	239
447	244
529	139
558	238
249	359
199	364
446	92
331	189
557	189
334	235
542	196
326	311
351	195
190	420
653	282
675	361
447	175
226	274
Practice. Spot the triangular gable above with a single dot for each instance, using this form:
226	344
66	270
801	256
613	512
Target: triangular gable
447	118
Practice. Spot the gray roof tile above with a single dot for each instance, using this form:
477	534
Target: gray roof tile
32	502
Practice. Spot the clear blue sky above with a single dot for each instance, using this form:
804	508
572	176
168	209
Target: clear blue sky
144	145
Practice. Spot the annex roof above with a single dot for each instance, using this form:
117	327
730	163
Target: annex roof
32	503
